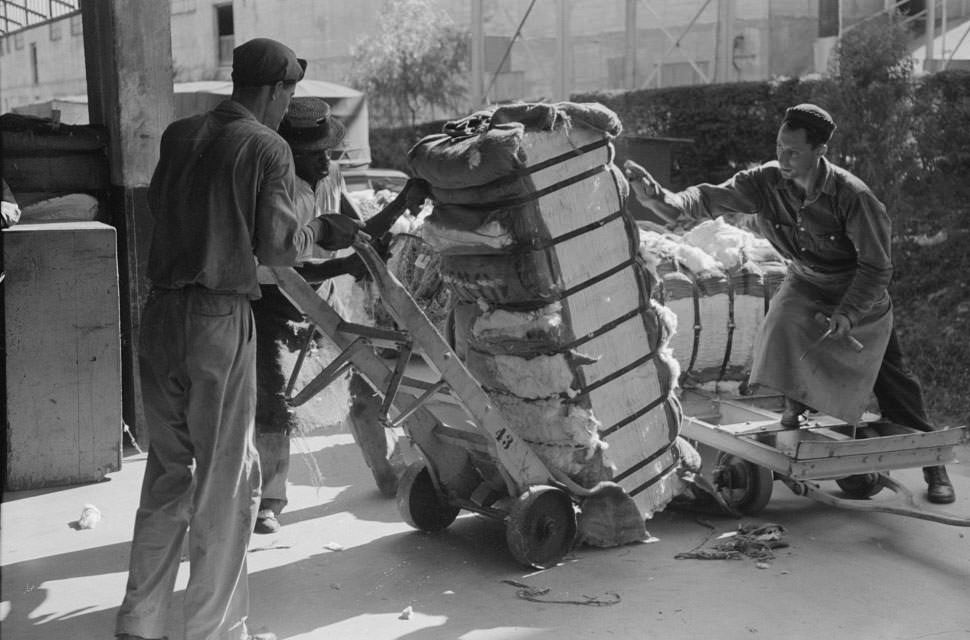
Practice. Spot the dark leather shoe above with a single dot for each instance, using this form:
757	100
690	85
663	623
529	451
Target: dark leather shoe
791	417
939	490
266	635
266	522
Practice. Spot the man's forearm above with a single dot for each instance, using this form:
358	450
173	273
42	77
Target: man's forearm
661	205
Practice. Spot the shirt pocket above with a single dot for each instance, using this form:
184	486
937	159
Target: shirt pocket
824	236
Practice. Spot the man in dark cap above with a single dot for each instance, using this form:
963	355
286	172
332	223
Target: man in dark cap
836	236
222	198
312	133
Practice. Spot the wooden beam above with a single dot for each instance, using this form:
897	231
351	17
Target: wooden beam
128	61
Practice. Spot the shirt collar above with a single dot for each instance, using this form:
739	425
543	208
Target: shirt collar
824	182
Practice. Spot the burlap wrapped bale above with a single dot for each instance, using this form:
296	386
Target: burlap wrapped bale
529	222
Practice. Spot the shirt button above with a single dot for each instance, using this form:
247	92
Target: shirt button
831	237
804	249
801	228
777	226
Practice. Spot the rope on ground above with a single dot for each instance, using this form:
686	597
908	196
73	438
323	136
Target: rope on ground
535	594
756	541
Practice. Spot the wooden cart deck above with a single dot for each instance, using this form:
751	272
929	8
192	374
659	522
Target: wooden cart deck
823	448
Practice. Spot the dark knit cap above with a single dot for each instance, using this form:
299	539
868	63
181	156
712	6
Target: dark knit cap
812	118
263	61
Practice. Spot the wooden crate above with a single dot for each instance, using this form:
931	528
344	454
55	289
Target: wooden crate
63	354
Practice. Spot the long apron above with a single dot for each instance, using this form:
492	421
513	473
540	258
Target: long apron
832	378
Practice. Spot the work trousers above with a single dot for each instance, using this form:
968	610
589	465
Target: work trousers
899	392
198	377
280	327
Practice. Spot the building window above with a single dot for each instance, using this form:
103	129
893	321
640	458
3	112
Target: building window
77	25
227	40
18	40
828	18
33	63
55	29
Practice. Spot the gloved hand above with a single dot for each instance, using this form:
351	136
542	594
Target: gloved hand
338	231
9	215
416	191
645	187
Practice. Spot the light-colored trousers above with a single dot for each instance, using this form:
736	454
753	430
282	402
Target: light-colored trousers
197	358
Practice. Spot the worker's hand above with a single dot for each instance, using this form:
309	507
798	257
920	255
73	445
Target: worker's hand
840	325
338	232
644	186
416	191
9	214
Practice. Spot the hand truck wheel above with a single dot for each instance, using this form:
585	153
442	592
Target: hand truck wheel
419	502
861	486
541	526
744	486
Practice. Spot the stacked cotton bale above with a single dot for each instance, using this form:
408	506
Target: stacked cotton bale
717	278
555	317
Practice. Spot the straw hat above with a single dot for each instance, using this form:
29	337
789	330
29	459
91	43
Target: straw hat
310	126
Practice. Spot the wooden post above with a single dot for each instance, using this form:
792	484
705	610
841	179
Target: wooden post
128	61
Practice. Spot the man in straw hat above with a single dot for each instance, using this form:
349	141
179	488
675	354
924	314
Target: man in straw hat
835	235
313	134
222	194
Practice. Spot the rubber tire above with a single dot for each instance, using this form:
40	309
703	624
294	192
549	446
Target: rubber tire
541	526
750	497
419	502
860	486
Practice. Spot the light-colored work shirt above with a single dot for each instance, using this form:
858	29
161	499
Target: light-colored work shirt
221	194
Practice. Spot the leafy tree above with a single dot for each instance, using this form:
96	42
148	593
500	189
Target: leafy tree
870	94
415	64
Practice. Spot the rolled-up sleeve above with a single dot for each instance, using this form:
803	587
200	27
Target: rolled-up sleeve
739	194
280	237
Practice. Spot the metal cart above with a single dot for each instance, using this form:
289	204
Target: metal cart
745	448
473	460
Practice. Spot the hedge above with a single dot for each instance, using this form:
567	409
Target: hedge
733	126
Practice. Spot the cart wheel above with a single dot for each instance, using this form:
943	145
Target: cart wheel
541	526
743	485
419	502
861	486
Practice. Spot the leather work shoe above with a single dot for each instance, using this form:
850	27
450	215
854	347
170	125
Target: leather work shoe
792	414
938	487
266	635
266	522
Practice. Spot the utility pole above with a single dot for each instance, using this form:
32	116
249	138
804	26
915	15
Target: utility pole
928	64
478	55
565	52
630	47
725	40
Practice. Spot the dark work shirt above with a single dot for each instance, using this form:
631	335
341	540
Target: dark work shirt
837	238
222	197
